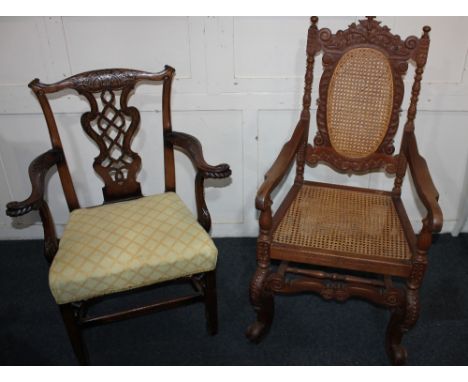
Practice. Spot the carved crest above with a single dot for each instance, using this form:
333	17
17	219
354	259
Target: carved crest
369	31
98	80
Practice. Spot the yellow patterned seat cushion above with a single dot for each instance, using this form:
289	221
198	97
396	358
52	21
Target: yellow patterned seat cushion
127	245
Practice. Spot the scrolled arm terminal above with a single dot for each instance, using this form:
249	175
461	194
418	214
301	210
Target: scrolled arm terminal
191	146
37	173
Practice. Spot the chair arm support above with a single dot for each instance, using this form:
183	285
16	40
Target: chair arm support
37	172
191	146
424	185
279	168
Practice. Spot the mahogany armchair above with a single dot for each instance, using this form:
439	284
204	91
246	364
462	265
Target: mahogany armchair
132	241
364	236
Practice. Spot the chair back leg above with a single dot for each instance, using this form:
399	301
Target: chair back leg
211	302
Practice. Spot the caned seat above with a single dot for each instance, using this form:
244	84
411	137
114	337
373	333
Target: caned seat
127	245
359	224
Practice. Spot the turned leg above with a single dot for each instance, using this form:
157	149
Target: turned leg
74	333
403	318
262	301
211	303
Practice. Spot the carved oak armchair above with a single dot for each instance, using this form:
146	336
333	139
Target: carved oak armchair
364	234
131	241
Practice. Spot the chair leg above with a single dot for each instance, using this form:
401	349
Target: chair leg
263	303
74	333
403	318
211	302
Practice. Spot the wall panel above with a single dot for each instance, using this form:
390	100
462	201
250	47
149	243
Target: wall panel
238	89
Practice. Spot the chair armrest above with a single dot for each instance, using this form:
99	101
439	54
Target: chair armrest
37	172
191	146
425	188
279	168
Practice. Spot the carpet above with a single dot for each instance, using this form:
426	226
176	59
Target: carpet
306	330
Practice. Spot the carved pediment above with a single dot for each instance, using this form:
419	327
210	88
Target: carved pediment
368	31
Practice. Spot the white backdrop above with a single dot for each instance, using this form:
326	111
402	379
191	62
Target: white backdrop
238	88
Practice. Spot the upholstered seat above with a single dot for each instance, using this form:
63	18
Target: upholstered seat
122	246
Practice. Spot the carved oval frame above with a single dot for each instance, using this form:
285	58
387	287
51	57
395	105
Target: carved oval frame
367	34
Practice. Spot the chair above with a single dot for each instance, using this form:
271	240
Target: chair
132	241
343	242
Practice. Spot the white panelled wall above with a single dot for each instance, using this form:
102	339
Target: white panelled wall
238	88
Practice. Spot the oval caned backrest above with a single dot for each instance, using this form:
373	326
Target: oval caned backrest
110	123
360	94
360	100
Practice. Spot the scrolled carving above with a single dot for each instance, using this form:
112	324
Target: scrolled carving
37	174
392	298
325	34
369	31
221	171
411	42
316	154
275	282
16	209
402	67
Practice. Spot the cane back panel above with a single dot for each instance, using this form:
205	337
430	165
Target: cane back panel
360	99
360	95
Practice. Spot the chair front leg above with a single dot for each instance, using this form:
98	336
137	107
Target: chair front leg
404	318
211	302
395	351
69	316
261	298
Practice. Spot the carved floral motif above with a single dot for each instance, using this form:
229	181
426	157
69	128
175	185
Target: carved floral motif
369	31
98	80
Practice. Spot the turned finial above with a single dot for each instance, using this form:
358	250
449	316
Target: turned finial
426	30
314	20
